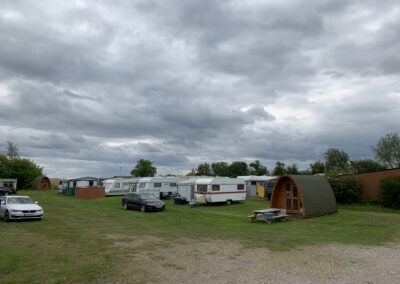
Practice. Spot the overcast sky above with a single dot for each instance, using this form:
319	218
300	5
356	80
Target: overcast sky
90	87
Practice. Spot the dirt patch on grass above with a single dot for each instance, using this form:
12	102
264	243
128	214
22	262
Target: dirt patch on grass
221	261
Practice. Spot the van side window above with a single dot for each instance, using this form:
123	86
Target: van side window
240	187
215	187
202	188
157	184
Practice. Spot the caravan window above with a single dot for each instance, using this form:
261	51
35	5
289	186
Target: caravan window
132	187
215	187
253	183
157	184
142	185
117	185
202	188
240	187
125	184
172	184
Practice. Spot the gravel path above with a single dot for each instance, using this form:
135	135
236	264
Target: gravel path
216	261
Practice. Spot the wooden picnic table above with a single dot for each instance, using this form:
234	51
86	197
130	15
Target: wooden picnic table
273	214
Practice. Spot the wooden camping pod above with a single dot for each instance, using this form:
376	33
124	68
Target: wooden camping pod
303	196
41	182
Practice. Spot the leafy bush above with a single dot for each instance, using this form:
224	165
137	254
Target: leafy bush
346	190
390	192
24	170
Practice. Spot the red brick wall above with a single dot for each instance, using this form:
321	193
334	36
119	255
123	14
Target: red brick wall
89	192
370	182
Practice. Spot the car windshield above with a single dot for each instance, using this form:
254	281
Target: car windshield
147	196
20	200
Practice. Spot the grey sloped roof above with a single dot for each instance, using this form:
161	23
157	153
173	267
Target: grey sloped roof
317	195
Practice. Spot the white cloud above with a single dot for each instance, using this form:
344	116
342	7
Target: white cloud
90	88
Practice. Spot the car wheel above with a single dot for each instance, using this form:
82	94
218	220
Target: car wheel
229	202
6	217
143	208
125	206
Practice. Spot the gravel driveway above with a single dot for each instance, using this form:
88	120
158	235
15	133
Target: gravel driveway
216	261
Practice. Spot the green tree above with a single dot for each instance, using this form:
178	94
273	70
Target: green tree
204	169
366	166
257	169
279	169
24	170
5	167
387	150
346	190
390	191
238	169
12	150
292	169
336	162
144	168
317	168
220	169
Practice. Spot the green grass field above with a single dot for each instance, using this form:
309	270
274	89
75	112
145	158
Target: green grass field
72	243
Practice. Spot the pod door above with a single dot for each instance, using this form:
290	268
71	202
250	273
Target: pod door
293	201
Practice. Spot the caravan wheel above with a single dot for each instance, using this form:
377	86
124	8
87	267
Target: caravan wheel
229	202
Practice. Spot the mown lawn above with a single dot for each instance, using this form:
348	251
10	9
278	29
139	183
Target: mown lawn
72	243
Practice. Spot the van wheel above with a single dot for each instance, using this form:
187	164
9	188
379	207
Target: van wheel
6	217
143	208
229	202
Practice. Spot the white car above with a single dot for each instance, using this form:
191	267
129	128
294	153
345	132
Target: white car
13	207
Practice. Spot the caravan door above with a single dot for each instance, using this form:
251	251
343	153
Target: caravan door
192	195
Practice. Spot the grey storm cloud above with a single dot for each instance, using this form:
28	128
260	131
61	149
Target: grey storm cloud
89	88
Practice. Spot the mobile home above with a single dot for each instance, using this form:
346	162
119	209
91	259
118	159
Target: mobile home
162	187
260	186
118	186
83	182
212	190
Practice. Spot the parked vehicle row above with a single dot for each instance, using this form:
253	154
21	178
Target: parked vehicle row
162	187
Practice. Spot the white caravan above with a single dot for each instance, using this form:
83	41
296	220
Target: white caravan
212	190
118	186
162	187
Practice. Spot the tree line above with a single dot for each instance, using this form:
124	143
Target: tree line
336	162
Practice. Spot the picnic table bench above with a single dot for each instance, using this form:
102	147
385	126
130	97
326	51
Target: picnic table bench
268	215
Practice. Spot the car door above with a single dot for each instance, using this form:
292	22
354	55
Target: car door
137	201
129	199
